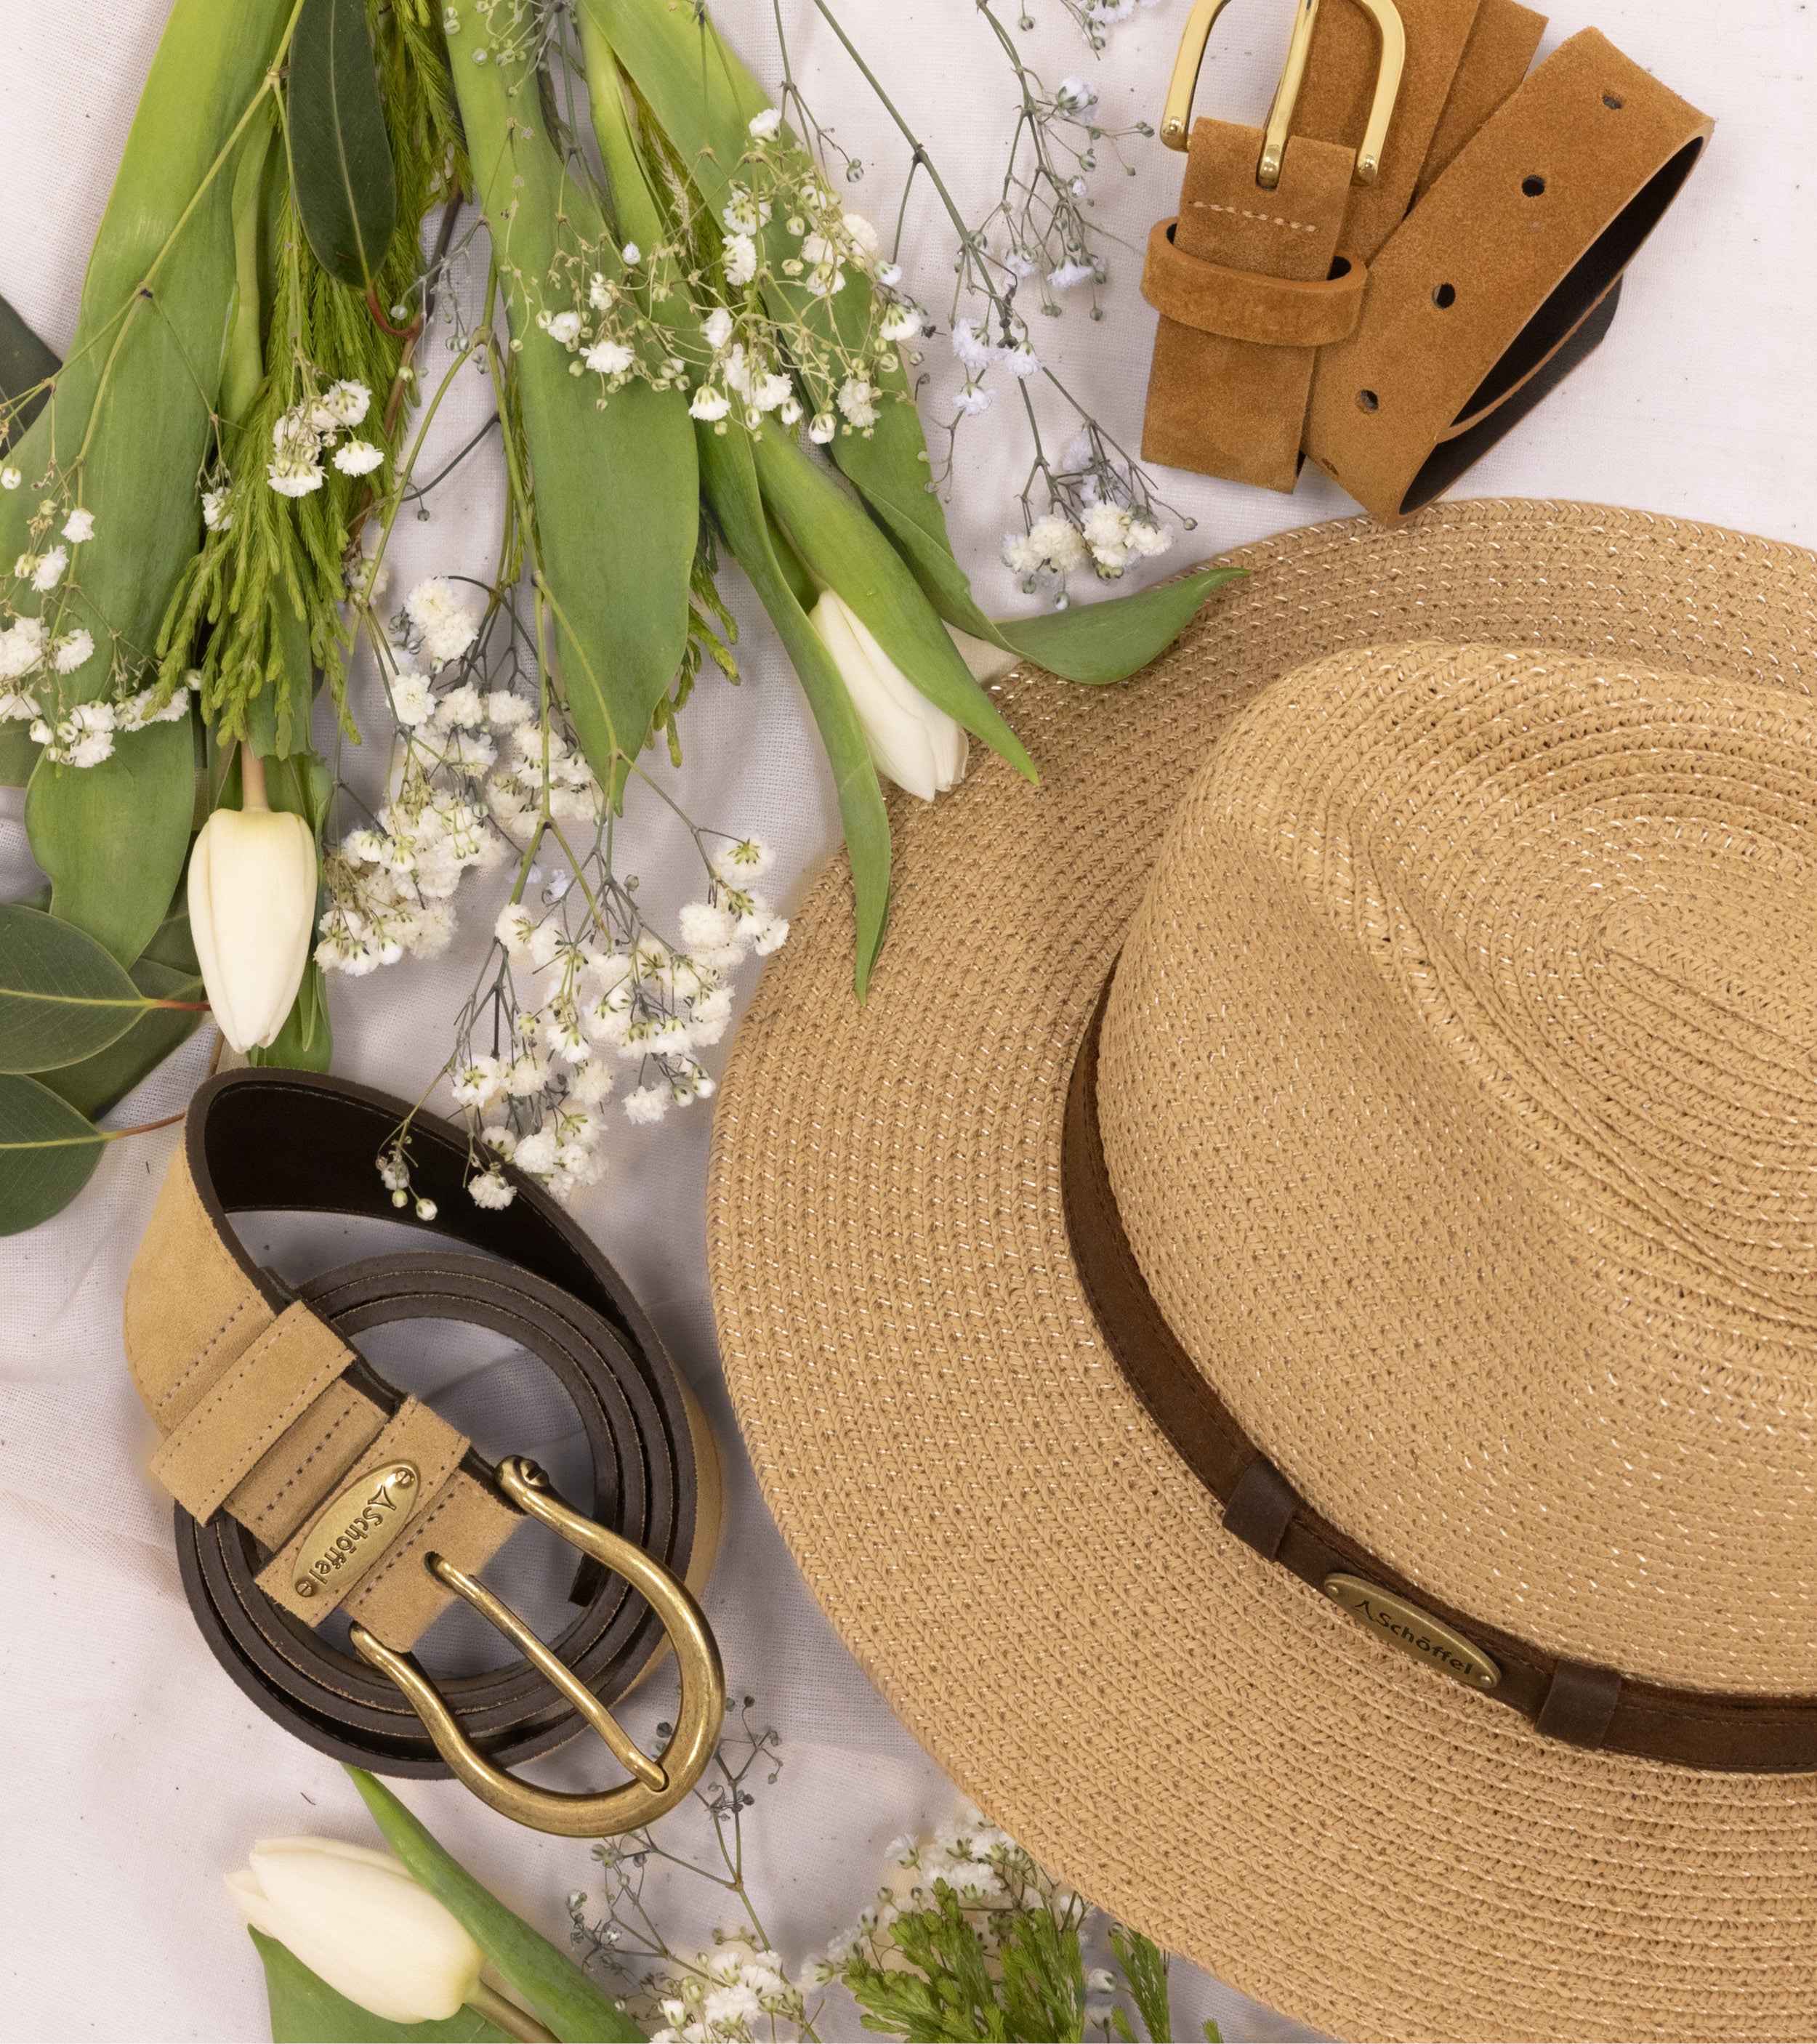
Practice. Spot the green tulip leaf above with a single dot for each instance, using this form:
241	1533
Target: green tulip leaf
63	997
1096	643
25	364
47	1153
95	1084
558	1993
306	2010
841	542
728	470
345	184
18	755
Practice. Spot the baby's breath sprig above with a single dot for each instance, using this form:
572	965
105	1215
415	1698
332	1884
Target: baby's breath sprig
1094	506
741	1989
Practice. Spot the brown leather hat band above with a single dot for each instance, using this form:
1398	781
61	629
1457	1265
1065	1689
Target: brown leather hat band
270	1416
1592	1707
1528	195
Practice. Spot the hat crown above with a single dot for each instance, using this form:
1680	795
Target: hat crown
1459	1093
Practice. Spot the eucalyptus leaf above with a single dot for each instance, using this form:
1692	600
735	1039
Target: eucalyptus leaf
135	401
345	183
96	1083
306	2010
558	1993
728	471
47	1153
24	363
63	997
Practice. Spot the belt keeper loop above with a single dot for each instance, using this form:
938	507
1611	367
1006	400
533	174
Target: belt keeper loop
1261	1507
1580	1704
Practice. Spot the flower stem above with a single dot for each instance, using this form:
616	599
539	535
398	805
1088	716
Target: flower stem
506	2015
252	779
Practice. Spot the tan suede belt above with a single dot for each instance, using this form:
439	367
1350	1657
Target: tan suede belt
1596	1708
1392	319
308	1486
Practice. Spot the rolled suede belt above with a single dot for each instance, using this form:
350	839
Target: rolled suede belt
1598	1709
1392	331
282	1445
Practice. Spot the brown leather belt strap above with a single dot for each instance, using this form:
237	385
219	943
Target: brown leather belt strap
1480	266
1592	1707
272	1421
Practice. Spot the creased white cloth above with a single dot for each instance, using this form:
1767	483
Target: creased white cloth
133	1774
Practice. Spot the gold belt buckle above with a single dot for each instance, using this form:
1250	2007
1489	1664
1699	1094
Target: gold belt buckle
1176	117
661	1783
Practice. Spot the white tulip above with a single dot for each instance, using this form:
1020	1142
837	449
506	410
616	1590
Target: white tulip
251	911
355	1917
911	742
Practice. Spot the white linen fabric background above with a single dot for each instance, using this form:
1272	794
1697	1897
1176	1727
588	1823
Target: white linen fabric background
134	1775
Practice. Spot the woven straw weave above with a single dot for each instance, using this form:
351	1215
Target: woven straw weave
1014	1553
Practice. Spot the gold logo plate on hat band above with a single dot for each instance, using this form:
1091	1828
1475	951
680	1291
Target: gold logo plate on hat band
355	1527
1403	1626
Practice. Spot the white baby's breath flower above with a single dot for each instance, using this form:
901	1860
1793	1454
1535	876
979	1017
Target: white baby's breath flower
740	260
610	358
857	401
647	1104
717	329
21	647
535	1152
47	569
69	653
902	322
505	711
563	327
710	404
342	404
822	428
632	253
411	702
764	124
1070	275
10	478
970	399
447	627
215	514
358	457
79	525
489	1188
477	1082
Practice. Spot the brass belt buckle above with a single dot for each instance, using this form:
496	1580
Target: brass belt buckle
1176	117
660	1784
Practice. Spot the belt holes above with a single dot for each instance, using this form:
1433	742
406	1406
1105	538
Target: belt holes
1613	100
1446	296
1533	186
1367	401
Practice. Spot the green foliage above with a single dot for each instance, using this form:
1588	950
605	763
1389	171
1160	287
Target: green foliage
833	535
340	160
125	438
98	1082
1145	1967
952	1995
47	1153
306	2010
729	476
26	367
555	1989
63	997
615	486
259	604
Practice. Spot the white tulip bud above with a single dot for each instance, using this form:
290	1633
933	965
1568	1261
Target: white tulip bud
251	911
355	1917
911	741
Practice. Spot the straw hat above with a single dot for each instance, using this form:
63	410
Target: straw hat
1457	1089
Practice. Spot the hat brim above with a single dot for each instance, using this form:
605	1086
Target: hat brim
1015	1555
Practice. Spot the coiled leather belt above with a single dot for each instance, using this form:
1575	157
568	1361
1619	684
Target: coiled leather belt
1438	242
306	1483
